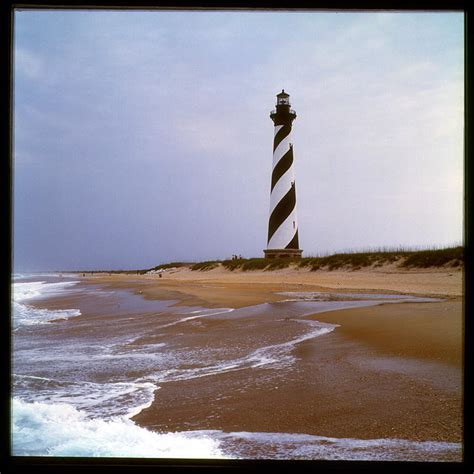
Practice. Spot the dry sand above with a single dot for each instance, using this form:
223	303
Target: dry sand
388	371
220	287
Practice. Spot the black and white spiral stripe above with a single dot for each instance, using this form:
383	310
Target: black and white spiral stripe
283	225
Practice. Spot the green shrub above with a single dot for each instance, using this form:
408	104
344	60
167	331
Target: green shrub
233	264
205	266
165	266
453	257
434	258
255	264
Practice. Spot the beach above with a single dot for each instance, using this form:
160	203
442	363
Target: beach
238	288
272	364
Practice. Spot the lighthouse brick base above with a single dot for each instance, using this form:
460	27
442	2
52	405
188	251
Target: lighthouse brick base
283	253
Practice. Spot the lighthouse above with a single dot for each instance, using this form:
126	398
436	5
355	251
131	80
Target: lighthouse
282	224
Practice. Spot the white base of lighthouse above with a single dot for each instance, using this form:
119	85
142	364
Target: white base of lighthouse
283	253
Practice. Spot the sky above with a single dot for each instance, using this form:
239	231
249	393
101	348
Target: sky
144	137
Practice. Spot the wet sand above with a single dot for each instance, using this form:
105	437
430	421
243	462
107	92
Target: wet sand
429	331
342	385
388	371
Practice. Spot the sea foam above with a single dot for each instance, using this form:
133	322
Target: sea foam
198	314
36	289
272	356
306	446
106	400
40	429
24	314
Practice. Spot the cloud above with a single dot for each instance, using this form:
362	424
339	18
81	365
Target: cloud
27	64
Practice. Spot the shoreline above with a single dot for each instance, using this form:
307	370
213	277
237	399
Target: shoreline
365	384
388	371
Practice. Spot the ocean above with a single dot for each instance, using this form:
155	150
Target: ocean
87	359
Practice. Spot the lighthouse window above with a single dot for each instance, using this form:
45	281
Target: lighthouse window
283	100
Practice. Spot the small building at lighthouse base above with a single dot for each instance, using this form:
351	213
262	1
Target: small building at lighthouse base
283	253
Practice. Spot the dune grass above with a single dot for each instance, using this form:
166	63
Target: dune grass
451	257
404	258
167	266
205	266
